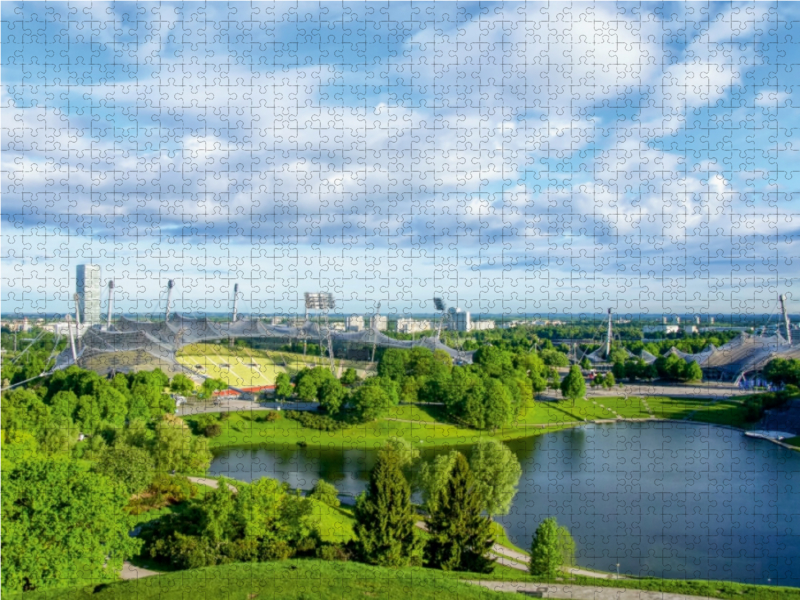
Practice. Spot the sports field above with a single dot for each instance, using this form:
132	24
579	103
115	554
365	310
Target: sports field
245	367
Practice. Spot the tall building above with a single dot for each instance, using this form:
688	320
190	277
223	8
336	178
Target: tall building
354	323
87	286
381	323
460	320
413	326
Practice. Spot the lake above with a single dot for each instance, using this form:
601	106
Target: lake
677	500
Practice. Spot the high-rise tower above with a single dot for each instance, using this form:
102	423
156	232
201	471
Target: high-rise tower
87	286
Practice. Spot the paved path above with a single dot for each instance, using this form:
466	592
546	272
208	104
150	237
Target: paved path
129	571
212	483
580	592
235	405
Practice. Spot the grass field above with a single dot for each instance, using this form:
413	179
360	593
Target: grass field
284	580
246	367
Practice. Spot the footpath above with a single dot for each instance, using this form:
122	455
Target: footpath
579	592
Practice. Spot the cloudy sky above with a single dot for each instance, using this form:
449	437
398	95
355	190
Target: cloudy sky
515	158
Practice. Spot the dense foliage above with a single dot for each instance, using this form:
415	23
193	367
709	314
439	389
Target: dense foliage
781	371
61	525
551	549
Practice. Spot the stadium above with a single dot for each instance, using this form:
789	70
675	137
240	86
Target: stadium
197	346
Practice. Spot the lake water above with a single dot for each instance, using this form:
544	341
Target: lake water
670	500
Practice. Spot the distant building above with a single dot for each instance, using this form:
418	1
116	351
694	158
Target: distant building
337	326
412	326
378	322
354	323
482	325
459	320
87	287
26	325
276	320
690	329
665	329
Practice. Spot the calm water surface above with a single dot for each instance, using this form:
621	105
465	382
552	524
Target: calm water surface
663	499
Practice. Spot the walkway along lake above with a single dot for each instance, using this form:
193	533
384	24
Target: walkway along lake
664	499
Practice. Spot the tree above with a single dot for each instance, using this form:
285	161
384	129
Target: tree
331	395
326	493
497	472
176	449
385	517
283	386
210	386
393	364
609	381
546	557
618	370
694	372
433	476
554	358
586	364
493	361
371	402
349	377
573	386
460	537
61	526
181	384
129	466
497	405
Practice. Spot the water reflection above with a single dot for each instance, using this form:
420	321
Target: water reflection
662	499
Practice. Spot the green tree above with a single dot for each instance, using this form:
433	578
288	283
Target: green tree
546	556
573	386
497	405
493	361
210	386
129	466
618	370
460	537
586	364
326	493
176	449
62	526
694	372
609	381
283	386
349	377
497	472
371	402
433	476
331	395
181	384
385	517
393	364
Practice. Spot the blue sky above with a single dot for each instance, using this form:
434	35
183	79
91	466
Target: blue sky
514	158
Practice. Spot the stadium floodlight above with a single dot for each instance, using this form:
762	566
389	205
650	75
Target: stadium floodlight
319	301
438	303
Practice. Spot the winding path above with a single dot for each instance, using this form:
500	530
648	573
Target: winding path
580	592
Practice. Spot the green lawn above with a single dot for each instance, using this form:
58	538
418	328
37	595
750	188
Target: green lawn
335	525
723	412
284	580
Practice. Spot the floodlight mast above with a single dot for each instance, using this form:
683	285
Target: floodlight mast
439	305
786	319
375	320
77	299
235	302
110	303
323	302
72	340
608	337
170	285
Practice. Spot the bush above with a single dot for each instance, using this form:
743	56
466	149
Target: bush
326	493
333	552
213	430
315	421
271	416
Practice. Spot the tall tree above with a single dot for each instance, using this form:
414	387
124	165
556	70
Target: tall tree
460	536
283	385
497	472
573	386
433	476
546	556
385	517
497	405
176	449
62	526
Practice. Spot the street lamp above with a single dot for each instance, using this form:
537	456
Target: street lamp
617	570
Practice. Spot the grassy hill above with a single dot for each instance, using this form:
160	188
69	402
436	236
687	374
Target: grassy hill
285	580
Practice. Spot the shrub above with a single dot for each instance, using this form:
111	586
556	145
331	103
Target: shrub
326	493
213	430
271	416
315	421
333	552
